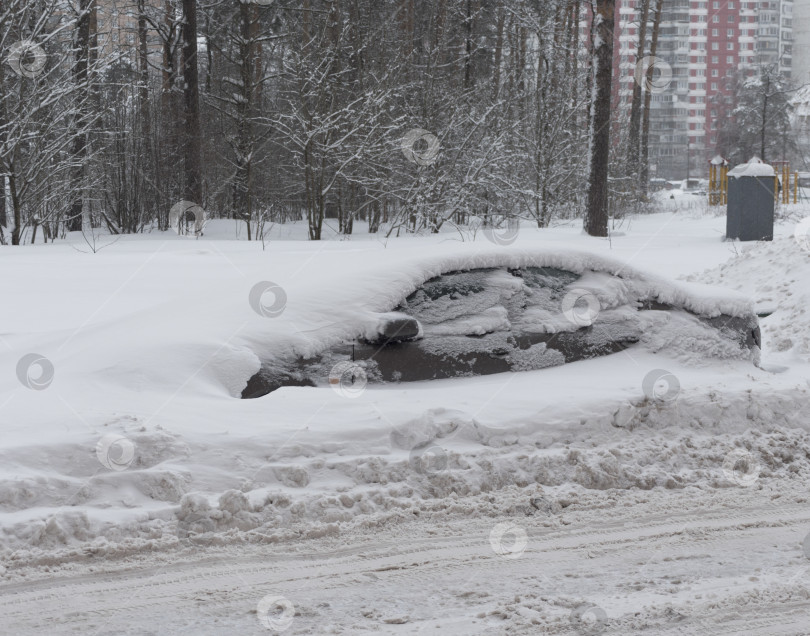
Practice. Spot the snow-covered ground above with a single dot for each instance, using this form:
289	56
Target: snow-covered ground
138	495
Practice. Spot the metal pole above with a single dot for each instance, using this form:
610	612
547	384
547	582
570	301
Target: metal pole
795	187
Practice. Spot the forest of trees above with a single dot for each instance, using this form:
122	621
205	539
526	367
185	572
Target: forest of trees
408	114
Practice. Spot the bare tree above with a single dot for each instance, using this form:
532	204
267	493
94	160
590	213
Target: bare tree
46	113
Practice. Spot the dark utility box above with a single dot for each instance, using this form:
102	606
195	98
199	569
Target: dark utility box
749	216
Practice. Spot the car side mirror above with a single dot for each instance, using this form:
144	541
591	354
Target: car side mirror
395	327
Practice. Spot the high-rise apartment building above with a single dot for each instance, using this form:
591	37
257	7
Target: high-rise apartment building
801	75
801	41
702	45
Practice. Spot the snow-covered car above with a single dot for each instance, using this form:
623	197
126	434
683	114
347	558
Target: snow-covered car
504	318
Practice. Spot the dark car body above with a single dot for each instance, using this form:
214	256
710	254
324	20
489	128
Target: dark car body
492	320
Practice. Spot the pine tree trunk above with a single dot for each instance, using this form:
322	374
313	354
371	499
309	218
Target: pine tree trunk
635	108
168	140
243	186
192	150
441	21
573	58
3	216
16	207
596	221
143	73
79	145
496	71
468	46
306	19
406	21
644	175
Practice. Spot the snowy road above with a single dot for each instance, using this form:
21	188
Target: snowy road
661	562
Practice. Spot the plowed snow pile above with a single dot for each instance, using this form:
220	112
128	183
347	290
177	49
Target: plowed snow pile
776	275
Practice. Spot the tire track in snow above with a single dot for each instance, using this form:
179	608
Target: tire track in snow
378	563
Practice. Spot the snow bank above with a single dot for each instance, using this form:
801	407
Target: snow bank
151	341
405	464
776	276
